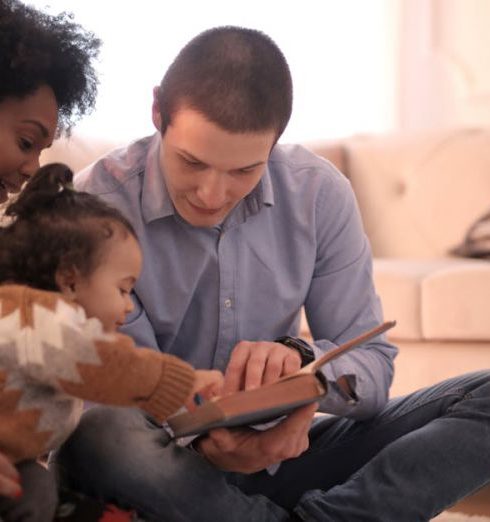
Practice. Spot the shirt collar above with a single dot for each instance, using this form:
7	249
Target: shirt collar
267	188
156	201
262	195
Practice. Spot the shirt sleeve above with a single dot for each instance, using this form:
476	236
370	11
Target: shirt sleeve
342	303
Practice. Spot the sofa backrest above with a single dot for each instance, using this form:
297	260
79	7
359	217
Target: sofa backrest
78	151
418	193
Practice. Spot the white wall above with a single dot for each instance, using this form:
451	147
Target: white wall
343	56
444	63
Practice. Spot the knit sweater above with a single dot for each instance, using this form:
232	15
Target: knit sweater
52	357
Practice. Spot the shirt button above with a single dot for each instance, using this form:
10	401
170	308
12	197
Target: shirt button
227	303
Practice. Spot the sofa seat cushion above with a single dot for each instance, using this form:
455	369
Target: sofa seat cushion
439	299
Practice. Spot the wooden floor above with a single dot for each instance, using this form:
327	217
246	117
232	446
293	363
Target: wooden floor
476	504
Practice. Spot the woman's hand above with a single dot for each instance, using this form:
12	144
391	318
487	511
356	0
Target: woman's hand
9	478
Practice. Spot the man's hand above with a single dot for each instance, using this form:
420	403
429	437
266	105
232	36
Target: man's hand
253	364
246	450
9	478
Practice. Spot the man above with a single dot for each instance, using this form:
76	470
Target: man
238	234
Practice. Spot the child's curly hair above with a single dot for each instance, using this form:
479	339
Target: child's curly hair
41	49
55	227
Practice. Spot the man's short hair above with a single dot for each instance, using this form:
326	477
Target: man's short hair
237	78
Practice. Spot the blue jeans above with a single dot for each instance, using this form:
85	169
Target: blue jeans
419	455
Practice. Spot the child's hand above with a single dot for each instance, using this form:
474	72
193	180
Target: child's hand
9	478
208	383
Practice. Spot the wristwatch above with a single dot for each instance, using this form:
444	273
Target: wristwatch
301	346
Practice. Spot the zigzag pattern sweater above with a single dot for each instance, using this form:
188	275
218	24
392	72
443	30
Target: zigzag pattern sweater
52	357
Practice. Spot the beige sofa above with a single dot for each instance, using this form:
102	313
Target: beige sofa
418	194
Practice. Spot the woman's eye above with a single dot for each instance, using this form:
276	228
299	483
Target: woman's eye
25	144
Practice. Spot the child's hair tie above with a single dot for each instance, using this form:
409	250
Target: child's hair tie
66	186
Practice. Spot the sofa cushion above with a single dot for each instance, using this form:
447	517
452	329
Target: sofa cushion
418	193
440	299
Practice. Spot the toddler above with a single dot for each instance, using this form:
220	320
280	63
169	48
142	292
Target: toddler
68	263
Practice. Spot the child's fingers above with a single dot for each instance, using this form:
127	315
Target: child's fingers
208	382
208	392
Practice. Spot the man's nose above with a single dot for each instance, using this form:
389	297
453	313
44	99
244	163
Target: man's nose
212	189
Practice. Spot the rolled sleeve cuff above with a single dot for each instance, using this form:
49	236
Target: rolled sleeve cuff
337	401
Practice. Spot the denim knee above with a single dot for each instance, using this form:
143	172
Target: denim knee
124	457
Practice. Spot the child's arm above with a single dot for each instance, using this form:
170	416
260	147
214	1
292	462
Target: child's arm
130	376
156	382
53	343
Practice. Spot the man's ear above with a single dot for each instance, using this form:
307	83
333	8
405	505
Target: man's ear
67	280
155	109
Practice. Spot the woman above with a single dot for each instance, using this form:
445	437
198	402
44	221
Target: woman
47	82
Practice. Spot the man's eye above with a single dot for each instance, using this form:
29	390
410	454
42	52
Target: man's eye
193	163
123	291
246	170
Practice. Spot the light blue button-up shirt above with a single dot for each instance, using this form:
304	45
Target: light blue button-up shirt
296	239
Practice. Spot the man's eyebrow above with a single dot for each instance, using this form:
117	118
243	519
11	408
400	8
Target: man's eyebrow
40	126
252	165
191	157
130	279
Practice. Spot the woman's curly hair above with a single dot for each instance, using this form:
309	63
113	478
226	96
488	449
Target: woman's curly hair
40	49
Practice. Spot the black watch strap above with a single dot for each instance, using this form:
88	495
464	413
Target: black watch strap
301	346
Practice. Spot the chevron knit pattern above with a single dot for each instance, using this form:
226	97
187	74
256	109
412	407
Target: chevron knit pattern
52	357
